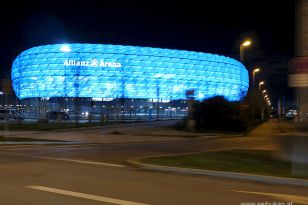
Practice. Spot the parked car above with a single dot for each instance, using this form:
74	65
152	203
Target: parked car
11	114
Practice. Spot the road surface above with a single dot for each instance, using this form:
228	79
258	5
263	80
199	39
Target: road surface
97	173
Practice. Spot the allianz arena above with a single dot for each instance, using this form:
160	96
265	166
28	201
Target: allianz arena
116	71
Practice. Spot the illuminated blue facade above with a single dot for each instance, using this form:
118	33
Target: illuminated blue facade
111	71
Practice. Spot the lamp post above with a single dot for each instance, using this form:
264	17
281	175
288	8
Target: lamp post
242	46
1	94
266	99
264	92
254	98
254	74
268	103
261	100
261	83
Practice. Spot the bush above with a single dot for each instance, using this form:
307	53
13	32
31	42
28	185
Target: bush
180	125
219	114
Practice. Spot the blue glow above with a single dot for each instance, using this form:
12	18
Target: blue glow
111	71
65	48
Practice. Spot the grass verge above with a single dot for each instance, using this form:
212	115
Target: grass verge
242	161
48	126
17	139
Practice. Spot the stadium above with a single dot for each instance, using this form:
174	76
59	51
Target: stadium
93	77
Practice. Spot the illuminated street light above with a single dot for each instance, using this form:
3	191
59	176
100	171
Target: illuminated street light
264	93
261	100
256	70
261	83
1	93
254	74
242	46
246	43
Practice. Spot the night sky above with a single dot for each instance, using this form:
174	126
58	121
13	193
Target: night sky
205	26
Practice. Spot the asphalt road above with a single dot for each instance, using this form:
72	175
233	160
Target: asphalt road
99	174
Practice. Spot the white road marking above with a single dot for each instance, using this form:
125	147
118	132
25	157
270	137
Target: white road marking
288	197
67	160
43	147
83	162
85	196
6	146
21	148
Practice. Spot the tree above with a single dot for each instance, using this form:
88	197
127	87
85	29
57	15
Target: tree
219	114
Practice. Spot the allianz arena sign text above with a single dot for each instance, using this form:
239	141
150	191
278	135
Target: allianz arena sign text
92	63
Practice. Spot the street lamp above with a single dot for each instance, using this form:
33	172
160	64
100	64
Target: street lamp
242	46
261	99
254	74
1	94
264	92
261	83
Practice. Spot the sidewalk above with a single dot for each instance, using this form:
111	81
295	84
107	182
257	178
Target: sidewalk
269	129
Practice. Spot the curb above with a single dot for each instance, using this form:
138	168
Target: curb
233	175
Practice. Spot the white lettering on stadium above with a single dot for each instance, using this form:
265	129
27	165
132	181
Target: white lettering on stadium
92	63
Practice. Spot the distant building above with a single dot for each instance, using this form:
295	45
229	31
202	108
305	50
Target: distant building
134	74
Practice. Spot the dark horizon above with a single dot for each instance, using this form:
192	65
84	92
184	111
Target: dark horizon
212	28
